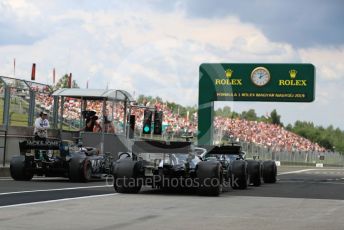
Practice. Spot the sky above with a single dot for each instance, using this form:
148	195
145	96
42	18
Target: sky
155	47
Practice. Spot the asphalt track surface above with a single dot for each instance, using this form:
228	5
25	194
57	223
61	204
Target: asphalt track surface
302	198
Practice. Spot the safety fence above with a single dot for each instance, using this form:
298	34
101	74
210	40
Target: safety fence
292	157
21	101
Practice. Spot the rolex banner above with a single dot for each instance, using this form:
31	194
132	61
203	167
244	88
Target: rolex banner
257	82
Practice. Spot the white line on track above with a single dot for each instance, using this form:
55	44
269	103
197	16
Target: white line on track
310	182
307	170
36	178
340	169
57	200
55	189
5	178
298	171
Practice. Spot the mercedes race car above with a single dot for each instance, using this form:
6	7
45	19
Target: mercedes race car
169	165
155	164
54	158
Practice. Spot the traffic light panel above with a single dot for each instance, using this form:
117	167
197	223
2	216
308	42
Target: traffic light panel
158	122
131	126
147	122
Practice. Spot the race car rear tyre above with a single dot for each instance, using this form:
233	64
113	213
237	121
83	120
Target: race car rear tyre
125	173
239	174
269	172
255	172
210	178
80	169
86	174
19	169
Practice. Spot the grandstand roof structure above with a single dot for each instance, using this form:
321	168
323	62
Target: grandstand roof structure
94	94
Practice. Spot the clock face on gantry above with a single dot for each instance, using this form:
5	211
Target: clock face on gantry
260	76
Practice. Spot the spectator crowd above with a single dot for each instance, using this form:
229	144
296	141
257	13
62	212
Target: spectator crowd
265	134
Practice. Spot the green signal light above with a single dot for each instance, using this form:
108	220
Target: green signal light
146	128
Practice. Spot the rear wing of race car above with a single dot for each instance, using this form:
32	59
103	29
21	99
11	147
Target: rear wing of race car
151	146
221	150
28	145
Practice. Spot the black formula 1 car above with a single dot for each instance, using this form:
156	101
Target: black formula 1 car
239	171
155	164
178	165
54	158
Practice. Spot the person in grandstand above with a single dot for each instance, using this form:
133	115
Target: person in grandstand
41	127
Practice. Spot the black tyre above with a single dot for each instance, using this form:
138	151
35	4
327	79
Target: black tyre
254	169
210	179
86	174
126	176
239	174
269	172
20	169
80	169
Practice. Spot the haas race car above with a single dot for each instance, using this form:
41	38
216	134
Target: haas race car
54	158
171	165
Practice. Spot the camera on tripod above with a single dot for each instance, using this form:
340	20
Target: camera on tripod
89	115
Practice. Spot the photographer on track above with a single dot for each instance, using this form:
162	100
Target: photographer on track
91	122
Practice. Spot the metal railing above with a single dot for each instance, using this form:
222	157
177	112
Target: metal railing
293	157
289	157
3	145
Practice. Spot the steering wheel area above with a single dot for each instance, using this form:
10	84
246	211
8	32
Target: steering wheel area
124	155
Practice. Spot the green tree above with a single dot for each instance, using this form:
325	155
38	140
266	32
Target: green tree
249	115
275	118
289	127
328	138
223	112
226	111
63	83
